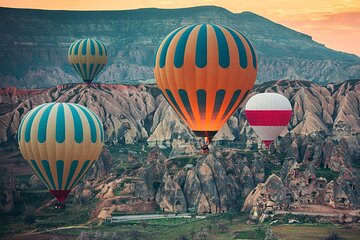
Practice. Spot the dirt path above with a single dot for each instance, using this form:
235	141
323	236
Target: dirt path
126	218
43	234
319	210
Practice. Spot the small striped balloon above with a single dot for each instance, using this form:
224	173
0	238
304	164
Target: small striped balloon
268	114
88	57
60	142
205	71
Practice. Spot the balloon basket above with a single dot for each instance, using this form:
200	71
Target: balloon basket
60	205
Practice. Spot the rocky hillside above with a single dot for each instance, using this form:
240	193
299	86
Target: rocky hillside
139	113
315	161
34	43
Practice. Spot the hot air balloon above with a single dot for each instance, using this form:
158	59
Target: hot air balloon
60	142
268	114
205	71
88	57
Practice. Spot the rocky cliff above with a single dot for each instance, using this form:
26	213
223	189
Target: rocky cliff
315	161
34	45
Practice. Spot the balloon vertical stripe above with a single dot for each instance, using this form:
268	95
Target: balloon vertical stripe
220	94
92	47
30	121
43	122
77	45
223	48
78	128
71	174
173	102
201	97
252	51
80	71
99	47
60	124
38	172
241	48
201	47
180	48
99	125
85	71
48	172
60	172
71	47
233	100
91	70
82	170
98	70
91	123
105	49
20	126
84	46
185	100
166	46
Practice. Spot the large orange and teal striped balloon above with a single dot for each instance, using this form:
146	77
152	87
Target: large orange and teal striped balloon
88	57
60	141
205	71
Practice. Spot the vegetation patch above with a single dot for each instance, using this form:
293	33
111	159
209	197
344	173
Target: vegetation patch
326	173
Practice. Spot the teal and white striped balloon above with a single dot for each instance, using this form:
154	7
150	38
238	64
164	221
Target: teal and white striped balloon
88	57
60	141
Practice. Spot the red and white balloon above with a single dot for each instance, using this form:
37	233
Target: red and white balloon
268	114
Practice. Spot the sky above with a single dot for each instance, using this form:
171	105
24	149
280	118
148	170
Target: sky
335	23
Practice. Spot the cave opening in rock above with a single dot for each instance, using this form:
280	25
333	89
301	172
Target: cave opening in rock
177	203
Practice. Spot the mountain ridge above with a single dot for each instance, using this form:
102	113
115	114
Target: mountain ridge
34	45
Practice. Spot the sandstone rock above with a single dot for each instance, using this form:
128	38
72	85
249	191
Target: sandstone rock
266	198
170	196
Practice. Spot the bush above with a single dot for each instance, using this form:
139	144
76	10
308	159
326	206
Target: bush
333	236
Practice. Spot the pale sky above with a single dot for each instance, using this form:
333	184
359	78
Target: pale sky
335	23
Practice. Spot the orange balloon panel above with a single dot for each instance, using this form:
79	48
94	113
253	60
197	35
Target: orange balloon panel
205	71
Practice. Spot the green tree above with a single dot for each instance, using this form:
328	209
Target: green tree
223	228
144	224
29	217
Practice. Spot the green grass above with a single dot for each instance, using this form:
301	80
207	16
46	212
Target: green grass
250	234
356	163
315	231
271	168
51	218
234	223
23	178
181	162
326	173
231	225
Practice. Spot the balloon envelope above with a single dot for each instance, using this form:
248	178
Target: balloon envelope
205	72
60	142
88	57
268	114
